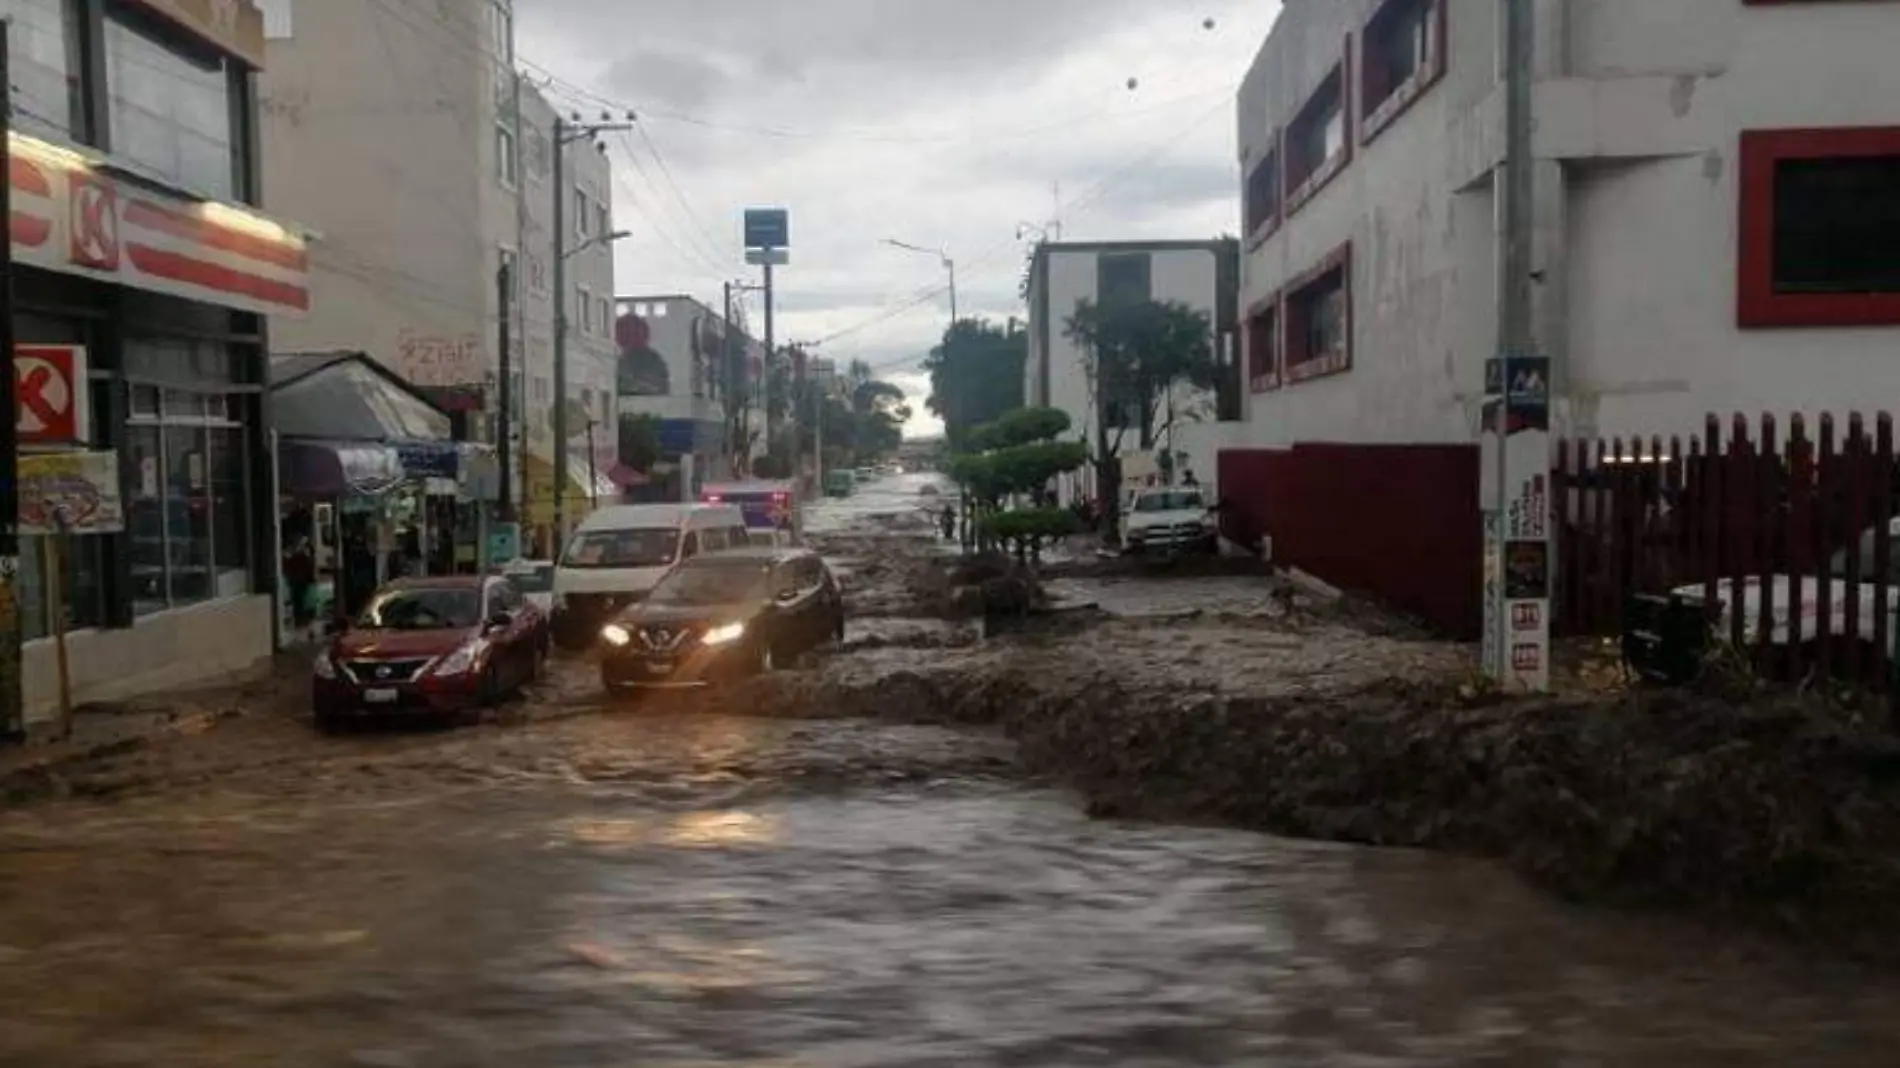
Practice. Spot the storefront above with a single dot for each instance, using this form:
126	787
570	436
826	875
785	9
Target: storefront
131	161
369	477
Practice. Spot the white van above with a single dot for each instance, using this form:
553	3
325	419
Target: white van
618	553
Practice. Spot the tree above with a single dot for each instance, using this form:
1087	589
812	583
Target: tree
976	374
864	416
1016	457
639	441
1134	353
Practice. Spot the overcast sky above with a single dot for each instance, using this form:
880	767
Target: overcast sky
935	122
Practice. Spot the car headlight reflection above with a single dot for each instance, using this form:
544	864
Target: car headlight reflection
724	635
615	634
460	662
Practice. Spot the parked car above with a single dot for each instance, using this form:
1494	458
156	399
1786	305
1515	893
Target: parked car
721	617
1169	519
429	647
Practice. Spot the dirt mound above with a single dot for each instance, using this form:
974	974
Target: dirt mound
1780	809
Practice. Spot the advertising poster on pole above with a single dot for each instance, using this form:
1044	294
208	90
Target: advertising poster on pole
76	491
1525	633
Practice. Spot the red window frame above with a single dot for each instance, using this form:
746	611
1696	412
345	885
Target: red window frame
1758	306
1298	366
1402	97
1261	229
1297	195
1263	329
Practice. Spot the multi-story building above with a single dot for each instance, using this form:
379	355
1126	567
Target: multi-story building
1186	423
402	130
145	283
1717	197
670	368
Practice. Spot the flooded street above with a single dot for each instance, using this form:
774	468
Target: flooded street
667	889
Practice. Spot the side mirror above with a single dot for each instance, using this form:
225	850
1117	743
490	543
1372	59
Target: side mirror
334	626
501	620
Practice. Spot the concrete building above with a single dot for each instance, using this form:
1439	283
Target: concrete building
670	369
145	282
1705	171
403	130
1199	274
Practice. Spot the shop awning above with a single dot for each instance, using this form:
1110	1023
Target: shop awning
325	469
347	396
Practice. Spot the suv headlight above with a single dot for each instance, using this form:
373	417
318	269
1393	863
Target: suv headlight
724	635
616	635
323	666
462	661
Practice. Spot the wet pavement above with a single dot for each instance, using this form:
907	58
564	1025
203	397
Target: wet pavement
665	889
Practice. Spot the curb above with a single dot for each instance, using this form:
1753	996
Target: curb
35	778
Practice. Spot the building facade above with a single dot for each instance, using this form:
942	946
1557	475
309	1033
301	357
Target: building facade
450	178
1699	168
145	271
670	369
1189	423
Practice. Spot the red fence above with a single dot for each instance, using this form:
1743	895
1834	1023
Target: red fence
1781	537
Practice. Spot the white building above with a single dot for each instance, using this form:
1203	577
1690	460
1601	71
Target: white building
1199	274
401	131
670	369
1708	172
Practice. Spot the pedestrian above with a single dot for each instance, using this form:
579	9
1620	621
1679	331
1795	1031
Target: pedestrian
949	521
1188	478
300	574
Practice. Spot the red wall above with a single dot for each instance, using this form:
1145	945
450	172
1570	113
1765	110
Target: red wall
1397	522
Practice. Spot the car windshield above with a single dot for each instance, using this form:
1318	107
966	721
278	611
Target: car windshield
640	547
423	609
1171	501
536	579
725	584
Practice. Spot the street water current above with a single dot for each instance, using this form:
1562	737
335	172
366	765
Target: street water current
656	889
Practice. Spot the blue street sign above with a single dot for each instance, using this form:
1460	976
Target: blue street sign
768	228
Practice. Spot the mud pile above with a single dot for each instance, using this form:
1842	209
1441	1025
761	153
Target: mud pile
1780	808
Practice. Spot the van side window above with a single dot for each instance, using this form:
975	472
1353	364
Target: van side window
689	545
712	541
738	536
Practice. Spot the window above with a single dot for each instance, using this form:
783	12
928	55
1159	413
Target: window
42	50
1123	278
1263	347
1317	146
501	30
187	508
606	316
1820	228
584	309
1318	335
602	224
580	213
170	110
1403	55
505	169
1263	191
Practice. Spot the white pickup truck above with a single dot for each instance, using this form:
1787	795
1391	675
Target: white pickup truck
1169	519
1782	625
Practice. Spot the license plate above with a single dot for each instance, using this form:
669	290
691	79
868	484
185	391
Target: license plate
659	667
379	696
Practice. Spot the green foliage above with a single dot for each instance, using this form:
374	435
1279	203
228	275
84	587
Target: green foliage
639	441
1136	350
1018	455
976	374
1020	427
1024	529
863	416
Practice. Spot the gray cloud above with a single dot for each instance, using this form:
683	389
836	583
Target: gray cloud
679	79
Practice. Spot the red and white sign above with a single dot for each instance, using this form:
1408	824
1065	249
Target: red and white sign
72	217
51	402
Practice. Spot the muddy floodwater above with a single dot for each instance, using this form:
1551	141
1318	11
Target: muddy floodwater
655	889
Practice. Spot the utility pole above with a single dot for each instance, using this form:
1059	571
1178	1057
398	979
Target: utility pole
1515	436
12	698
771	358
566	132
738	382
504	286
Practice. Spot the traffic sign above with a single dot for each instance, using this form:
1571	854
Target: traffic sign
52	405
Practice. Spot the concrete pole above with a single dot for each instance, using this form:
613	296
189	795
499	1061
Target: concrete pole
560	329
12	698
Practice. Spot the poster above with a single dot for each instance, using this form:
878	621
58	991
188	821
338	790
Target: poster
80	489
1516	488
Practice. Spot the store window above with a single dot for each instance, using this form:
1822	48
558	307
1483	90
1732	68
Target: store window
188	497
43	66
170	109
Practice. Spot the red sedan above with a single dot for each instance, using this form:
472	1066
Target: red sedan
432	646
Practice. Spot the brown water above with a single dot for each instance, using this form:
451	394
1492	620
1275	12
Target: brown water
669	891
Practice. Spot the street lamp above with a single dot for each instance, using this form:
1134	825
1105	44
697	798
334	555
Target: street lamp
949	265
567	131
597	240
